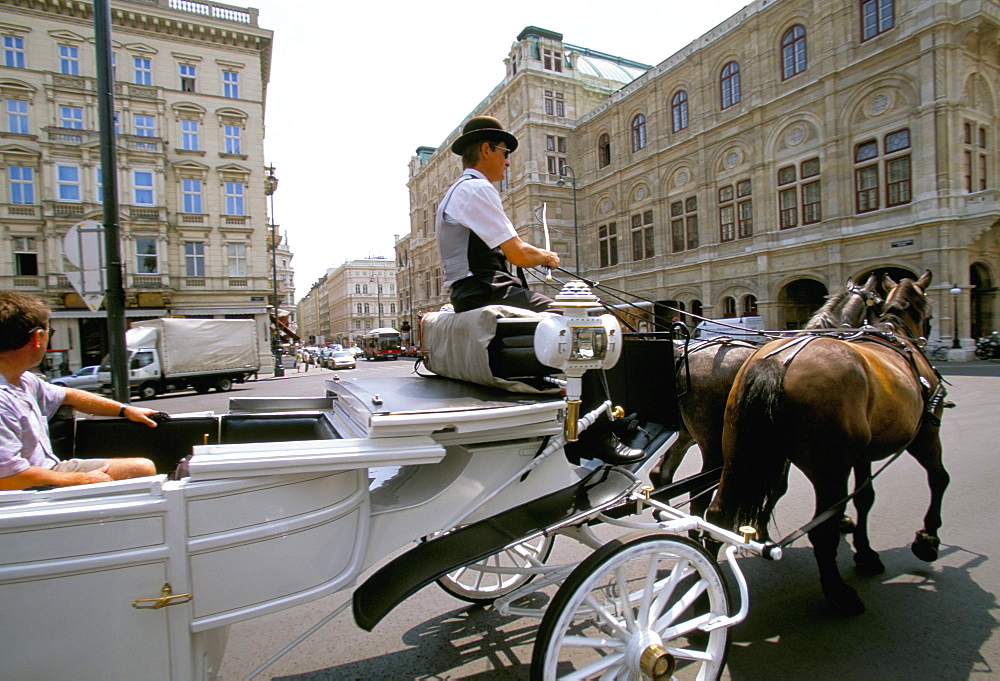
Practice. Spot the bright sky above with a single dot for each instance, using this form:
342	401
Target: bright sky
356	87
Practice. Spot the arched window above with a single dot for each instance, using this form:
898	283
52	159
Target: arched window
359	308
603	151
729	81
679	110
728	307
793	51
357	288
749	306
638	132
367	308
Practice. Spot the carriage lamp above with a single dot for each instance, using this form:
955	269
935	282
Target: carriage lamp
575	343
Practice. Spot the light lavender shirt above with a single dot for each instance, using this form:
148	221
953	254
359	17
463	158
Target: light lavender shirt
24	430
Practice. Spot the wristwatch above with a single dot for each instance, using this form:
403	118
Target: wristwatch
121	412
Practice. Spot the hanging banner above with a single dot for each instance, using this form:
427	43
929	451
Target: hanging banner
84	263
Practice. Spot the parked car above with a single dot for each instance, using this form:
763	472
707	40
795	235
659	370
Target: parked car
341	360
83	379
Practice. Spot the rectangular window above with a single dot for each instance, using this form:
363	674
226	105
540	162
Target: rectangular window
735	212
25	256
69	60
789	207
194	258
17	116
142	71
189	135
552	60
236	257
642	236
866	188
877	17
745	203
142	185
146	259
897	181
145	126
607	241
22	184
811	204
187	73
99	181
68	183
231	84
191	195
71	117
13	51
975	160
232	137
234	198
684	224
555	104
727	222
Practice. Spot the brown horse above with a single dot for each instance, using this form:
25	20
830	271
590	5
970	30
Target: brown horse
707	371
832	406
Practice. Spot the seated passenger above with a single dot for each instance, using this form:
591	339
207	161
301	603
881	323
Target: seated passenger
27	402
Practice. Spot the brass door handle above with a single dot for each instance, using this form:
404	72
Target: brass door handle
167	598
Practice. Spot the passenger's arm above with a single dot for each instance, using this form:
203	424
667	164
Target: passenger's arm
89	403
523	254
34	476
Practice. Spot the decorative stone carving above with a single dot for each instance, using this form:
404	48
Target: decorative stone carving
733	159
879	104
796	135
681	178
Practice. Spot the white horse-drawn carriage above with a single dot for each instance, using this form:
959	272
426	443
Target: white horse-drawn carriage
283	501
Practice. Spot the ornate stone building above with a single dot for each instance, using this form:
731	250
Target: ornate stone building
190	82
795	145
349	301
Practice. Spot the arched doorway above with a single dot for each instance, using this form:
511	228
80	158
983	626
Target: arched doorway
799	300
983	300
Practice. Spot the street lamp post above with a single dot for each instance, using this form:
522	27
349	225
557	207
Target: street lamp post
576	224
270	185
955	290
378	298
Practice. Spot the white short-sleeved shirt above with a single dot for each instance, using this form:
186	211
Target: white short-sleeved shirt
472	204
24	431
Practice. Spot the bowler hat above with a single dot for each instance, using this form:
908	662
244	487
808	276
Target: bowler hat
483	129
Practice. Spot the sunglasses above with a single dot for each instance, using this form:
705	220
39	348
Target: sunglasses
506	152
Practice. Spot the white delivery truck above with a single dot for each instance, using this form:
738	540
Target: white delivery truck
176	354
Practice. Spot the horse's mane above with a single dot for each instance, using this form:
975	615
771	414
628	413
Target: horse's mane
904	303
828	317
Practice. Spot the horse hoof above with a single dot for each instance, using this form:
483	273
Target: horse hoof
868	564
925	546
846	525
845	601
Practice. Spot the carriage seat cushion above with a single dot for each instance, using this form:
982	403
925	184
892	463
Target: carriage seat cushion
247	428
491	346
164	445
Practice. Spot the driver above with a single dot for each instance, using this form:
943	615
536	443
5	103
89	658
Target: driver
476	241
475	238
27	402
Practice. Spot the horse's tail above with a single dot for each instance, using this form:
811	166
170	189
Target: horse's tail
758	456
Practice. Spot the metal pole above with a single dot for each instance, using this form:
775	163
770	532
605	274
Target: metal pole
270	185
115	292
954	296
576	222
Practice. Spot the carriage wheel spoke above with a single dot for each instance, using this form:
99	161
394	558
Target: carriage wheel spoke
678	608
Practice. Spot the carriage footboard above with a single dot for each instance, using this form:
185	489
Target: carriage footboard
405	575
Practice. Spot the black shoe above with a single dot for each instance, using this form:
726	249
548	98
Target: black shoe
613	451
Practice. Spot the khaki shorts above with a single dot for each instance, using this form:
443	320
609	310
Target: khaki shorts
79	465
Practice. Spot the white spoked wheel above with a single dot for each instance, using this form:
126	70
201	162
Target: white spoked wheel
636	609
497	575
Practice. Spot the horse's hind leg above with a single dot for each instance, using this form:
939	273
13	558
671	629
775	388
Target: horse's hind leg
866	560
926	449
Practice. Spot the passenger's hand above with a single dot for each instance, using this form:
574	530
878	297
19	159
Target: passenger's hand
141	415
99	475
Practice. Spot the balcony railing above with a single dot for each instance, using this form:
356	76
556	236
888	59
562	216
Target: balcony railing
147	281
24	211
213	9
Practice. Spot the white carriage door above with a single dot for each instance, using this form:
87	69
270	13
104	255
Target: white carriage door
68	579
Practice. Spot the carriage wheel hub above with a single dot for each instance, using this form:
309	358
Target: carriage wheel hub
644	654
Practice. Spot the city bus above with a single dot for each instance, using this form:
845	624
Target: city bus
381	343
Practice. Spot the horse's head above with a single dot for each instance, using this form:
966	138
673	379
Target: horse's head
907	305
864	304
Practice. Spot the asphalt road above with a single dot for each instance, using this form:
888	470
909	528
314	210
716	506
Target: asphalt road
927	621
